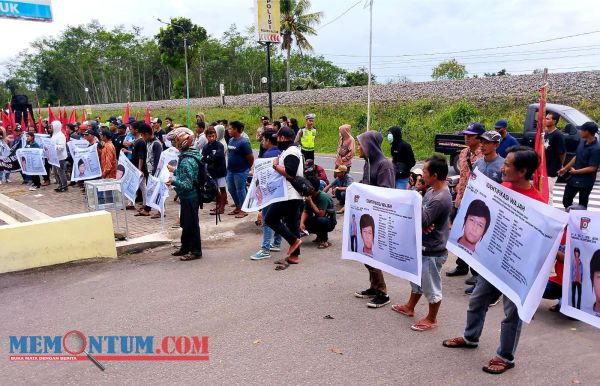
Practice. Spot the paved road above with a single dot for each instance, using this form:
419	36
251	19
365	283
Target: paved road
268	327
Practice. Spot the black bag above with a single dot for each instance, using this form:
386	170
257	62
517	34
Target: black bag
206	187
302	185
401	169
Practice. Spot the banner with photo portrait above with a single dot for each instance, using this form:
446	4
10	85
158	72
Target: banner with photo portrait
509	239
86	163
77	144
581	274
156	193
267	186
169	157
31	161
38	138
130	177
49	149
382	228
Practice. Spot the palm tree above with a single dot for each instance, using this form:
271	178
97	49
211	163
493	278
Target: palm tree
297	24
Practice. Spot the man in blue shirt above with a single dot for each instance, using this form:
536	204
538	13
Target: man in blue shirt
239	161
507	140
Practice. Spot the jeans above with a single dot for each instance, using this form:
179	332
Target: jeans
190	225
5	174
284	218
61	176
576	286
236	184
353	243
571	191
431	279
376	279
320	226
401	183
510	327
341	196
267	232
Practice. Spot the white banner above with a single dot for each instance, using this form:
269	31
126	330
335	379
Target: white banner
169	157
130	177
509	239
156	193
38	138
31	161
581	274
266	188
50	153
382	228
77	143
86	164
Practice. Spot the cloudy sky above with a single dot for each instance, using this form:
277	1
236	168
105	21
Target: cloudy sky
409	36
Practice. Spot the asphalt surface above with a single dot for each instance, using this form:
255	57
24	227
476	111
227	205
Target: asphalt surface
268	327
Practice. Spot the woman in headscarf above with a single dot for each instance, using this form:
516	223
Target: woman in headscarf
345	151
403	157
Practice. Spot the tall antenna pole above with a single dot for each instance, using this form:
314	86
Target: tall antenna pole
370	54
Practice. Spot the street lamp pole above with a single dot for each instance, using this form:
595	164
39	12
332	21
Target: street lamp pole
187	79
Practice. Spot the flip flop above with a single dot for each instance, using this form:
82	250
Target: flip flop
399	308
293	259
241	215
325	244
423	326
500	365
142	214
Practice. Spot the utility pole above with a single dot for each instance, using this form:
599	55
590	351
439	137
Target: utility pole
370	55
269	89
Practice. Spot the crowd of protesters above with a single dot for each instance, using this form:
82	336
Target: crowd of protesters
222	150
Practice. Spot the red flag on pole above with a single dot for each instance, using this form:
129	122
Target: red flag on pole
11	117
147	116
40	124
73	117
136	115
51	116
30	120
83	116
5	119
23	125
540	177
126	115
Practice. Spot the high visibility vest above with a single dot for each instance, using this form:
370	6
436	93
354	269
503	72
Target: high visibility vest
307	142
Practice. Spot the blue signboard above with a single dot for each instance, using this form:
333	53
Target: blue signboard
27	9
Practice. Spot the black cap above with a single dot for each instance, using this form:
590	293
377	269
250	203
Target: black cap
590	127
89	132
286	132
264	118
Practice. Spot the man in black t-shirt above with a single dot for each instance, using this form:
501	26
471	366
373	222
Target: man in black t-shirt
554	143
138	158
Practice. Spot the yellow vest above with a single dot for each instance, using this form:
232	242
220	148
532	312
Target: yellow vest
307	142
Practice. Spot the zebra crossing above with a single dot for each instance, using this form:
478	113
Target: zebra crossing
593	205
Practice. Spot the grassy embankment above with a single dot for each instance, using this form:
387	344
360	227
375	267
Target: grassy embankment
421	120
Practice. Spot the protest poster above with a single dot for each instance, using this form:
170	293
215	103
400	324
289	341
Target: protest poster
38	138
86	163
266	188
581	274
9	163
31	161
77	143
156	193
130	177
509	239
382	228
50	153
169	157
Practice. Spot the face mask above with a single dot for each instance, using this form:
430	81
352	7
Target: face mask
390	138
283	145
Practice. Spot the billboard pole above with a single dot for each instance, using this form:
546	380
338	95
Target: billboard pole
269	89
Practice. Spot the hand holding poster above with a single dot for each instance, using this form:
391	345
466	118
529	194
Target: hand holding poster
266	188
86	164
169	157
581	274
31	161
382	228
130	177
50	153
509	239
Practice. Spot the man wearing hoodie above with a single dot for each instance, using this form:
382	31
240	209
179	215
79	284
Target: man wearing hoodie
378	171
402	156
184	182
59	140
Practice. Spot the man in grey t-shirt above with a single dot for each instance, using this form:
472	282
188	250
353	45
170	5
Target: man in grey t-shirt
491	163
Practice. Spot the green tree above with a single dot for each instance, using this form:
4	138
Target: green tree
297	24
502	72
359	77
450	69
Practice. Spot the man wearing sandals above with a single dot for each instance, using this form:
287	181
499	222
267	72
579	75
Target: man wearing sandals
517	171
437	205
316	217
378	171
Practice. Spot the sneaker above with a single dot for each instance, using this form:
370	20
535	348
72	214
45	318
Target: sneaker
275	248
379	300
261	254
33	188
366	294
469	290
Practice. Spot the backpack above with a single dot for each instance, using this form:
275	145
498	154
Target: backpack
302	185
206	187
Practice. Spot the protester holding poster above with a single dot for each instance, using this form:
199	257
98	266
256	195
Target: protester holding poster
267	186
378	171
437	205
130	177
50	151
60	144
86	163
581	278
503	256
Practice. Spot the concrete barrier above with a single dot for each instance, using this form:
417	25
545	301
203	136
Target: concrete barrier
56	240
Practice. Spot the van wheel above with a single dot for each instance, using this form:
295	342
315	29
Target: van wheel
454	163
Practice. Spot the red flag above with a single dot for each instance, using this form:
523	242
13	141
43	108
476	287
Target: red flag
126	115
51	116
5	119
83	116
147	116
11	117
73	117
136	115
40	124
540	177
30	120
23	125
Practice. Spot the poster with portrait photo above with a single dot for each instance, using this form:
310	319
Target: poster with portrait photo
156	193
509	239
31	161
130	177
50	153
77	144
382	228
267	186
38	138
169	157
581	274
86	164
